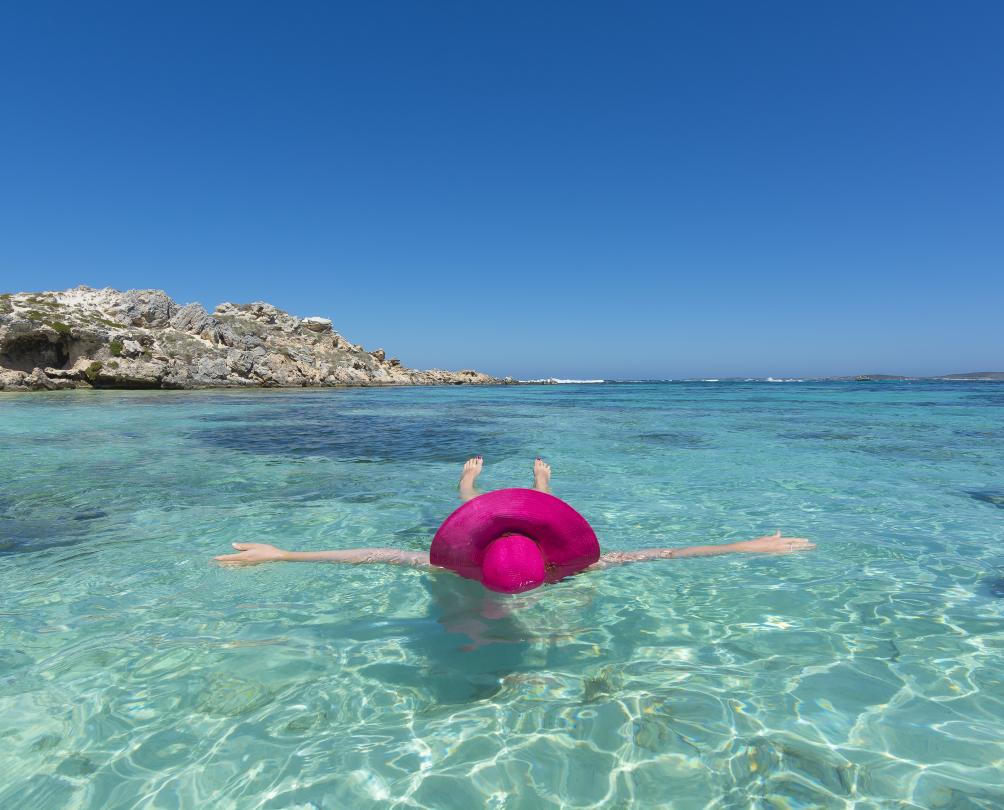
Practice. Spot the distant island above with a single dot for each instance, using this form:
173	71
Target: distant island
972	376
969	376
103	338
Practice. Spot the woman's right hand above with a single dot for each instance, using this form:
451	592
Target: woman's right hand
252	554
776	544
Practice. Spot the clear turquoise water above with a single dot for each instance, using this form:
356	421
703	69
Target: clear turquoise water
134	673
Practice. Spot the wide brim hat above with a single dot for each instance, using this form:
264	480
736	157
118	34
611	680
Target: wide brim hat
512	540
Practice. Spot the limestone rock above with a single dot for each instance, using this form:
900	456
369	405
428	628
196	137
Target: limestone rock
132	348
142	339
316	324
13	380
146	308
210	370
126	374
193	319
225	334
240	363
38	381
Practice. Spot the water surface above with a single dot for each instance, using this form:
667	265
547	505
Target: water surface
867	673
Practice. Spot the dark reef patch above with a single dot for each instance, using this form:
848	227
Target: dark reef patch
938	453
358	437
671	438
26	536
824	435
991	398
357	497
416	537
90	514
981	434
992	497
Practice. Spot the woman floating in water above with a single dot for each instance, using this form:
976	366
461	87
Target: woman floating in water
510	540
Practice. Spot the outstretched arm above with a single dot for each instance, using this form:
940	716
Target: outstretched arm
770	544
255	553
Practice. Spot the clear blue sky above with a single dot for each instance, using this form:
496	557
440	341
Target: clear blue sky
571	189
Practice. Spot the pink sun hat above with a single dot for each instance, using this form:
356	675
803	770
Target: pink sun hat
513	540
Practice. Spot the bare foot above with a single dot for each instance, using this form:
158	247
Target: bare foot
541	475
472	469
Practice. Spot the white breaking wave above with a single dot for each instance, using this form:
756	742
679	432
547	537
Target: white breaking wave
774	379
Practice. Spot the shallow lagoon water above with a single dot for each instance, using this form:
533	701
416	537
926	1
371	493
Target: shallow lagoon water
869	673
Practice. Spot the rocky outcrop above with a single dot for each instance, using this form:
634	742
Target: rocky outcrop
316	324
85	337
145	308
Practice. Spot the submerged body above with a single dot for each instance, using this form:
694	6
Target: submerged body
256	553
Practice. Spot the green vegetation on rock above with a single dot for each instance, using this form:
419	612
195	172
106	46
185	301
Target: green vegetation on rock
60	327
92	371
115	347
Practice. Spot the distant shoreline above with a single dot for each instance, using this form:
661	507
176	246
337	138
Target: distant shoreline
318	389
760	380
142	339
994	376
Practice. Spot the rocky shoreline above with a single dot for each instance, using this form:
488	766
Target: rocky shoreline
90	338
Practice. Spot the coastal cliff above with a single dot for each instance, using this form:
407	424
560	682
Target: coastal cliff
90	338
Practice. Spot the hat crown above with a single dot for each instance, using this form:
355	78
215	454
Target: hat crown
512	563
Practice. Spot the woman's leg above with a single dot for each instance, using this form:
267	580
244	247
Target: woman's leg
472	469
541	475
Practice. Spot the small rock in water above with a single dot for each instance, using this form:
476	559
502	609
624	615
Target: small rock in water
46	742
76	765
90	514
305	722
231	697
652	734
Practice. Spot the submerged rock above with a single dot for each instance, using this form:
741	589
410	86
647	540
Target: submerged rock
85	337
989	496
